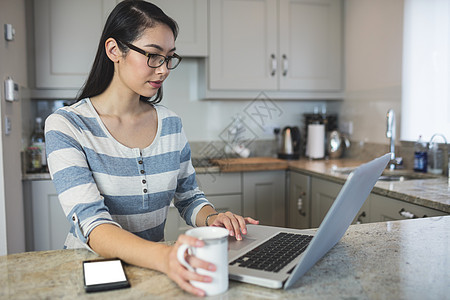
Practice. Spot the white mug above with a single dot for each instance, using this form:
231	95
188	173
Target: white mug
214	251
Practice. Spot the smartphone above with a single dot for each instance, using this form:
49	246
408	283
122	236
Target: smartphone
104	274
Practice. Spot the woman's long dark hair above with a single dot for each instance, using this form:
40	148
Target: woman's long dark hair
126	23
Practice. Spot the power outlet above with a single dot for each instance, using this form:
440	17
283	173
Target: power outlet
269	129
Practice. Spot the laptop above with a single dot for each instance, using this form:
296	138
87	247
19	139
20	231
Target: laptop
250	260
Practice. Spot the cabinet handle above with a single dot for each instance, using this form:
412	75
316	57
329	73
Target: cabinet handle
285	65
359	220
300	205
274	65
406	214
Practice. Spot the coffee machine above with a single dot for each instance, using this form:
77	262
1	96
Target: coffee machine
317	127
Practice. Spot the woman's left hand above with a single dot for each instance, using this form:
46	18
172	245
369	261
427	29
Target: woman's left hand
235	224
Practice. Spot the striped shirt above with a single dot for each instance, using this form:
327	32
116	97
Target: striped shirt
99	180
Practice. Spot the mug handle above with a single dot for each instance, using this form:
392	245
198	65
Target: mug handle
180	255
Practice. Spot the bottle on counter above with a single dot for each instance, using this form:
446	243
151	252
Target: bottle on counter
34	160
436	155
420	156
38	141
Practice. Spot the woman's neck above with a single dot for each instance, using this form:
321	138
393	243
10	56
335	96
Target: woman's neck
117	103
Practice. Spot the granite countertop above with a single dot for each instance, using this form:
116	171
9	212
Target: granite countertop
430	192
388	260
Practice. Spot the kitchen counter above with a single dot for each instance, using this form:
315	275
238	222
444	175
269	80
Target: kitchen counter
390	260
432	193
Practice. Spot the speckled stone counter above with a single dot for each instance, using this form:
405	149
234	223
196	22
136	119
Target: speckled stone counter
392	260
429	192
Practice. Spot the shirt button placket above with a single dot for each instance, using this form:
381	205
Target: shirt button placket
144	187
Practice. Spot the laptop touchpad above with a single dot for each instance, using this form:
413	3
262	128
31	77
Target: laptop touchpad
234	244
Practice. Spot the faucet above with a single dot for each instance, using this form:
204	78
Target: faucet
390	133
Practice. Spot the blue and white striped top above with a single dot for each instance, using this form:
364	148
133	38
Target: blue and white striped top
99	180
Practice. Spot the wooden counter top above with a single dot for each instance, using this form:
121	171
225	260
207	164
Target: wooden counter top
392	260
250	164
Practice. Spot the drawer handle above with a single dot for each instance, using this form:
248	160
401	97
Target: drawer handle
300	205
285	65
274	65
406	214
359	220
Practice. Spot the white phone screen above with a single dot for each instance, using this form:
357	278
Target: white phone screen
103	272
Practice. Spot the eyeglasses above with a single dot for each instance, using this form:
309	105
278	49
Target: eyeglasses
157	60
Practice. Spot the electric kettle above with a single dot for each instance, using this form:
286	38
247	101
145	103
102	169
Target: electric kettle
289	146
336	144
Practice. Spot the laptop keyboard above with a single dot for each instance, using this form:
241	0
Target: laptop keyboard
274	254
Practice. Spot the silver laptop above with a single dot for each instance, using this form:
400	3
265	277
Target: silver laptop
250	261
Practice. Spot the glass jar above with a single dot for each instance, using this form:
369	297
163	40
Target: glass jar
34	160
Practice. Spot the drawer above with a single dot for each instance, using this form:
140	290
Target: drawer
220	183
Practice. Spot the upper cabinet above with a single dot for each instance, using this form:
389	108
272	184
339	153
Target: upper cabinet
192	19
275	45
67	34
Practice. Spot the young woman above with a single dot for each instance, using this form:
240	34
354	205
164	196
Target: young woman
117	158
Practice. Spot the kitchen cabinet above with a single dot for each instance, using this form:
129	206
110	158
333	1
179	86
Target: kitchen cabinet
384	209
223	190
192	19
67	33
264	197
275	45
299	201
323	194
376	208
45	222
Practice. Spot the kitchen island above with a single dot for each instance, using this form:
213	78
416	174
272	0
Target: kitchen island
406	259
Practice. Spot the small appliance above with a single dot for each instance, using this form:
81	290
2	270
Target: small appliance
289	145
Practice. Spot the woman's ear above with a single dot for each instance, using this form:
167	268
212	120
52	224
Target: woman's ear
112	50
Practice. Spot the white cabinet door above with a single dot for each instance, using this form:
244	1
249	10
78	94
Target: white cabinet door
323	194
192	19
268	45
49	227
264	197
299	204
310	45
67	34
243	45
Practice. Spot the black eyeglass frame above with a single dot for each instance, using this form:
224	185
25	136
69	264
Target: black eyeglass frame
148	54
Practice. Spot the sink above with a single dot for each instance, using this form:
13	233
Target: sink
403	175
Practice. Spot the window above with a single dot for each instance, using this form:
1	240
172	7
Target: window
426	69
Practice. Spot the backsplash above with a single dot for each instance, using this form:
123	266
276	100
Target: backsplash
363	151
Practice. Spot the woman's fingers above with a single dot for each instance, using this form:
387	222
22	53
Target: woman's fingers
190	240
180	274
199	263
235	224
249	220
183	282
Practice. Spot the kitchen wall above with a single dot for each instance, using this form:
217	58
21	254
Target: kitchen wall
13	62
373	65
204	120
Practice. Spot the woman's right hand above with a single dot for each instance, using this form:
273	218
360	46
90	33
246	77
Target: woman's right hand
178	273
